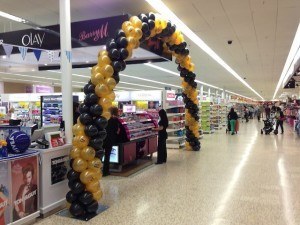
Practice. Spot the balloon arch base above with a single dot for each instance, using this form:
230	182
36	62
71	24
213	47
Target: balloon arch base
65	213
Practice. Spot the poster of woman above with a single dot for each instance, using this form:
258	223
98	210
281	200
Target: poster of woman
25	189
4	194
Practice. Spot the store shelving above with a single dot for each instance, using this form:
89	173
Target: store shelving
176	129
216	117
206	117
223	114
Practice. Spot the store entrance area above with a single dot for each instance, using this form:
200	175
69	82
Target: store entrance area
246	178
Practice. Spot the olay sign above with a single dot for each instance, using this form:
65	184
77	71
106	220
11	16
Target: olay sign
83	33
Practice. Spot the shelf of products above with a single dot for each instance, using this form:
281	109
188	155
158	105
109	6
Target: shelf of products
223	114
176	129
138	125
51	110
216	117
206	117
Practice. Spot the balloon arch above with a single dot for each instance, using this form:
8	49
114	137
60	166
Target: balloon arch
89	132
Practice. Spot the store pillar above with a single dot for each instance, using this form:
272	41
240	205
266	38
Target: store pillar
209	92
66	66
201	92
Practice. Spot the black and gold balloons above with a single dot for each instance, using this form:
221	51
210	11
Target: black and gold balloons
89	132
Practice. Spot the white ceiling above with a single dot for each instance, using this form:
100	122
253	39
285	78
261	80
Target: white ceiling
262	32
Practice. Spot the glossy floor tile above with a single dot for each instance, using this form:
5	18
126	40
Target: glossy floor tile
247	178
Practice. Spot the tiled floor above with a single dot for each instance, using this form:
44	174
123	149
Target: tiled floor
248	178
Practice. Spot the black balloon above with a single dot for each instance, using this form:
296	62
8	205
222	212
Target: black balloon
123	66
143	17
116	77
123	53
185	51
151	16
89	88
147	34
151	24
99	153
114	54
96	110
92	207
179	68
120	33
71	197
76	209
77	187
100	122
145	27
96	143
91	130
85	119
91	99
84	108
102	134
116	66
73	175
86	198
122	42
111	44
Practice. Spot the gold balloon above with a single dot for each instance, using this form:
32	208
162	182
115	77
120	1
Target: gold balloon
138	33
95	69
136	22
97	175
93	186
111	96
75	152
131	42
129	52
97	78
78	129
129	31
107	71
82	141
191	67
75	141
88	153
95	164
153	33
103	60
126	24
137	44
97	195
105	103
102	90
163	23
111	83
106	114
79	165
86	176
102	53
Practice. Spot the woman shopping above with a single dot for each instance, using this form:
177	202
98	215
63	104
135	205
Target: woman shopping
162	137
279	120
232	118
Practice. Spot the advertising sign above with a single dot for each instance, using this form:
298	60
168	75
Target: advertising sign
24	175
170	95
4	194
59	169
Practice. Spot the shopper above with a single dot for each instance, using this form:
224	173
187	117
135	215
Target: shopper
76	113
232	117
162	137
258	113
268	112
246	114
112	130
279	120
26	199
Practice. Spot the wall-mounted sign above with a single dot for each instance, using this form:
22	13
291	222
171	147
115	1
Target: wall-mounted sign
170	95
146	95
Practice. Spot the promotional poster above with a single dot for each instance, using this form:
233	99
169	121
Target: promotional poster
24	173
59	169
4	194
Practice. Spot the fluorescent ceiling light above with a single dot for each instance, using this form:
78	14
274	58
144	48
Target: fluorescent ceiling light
289	60
178	75
159	6
148	80
140	85
11	17
230	92
74	74
23	75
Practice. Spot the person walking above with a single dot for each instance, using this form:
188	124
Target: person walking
279	120
258	113
112	131
268	112
232	117
162	137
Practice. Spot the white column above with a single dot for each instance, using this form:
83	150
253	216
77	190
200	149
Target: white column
66	67
208	92
201	92
223	94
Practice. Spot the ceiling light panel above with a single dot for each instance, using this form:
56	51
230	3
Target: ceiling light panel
159	6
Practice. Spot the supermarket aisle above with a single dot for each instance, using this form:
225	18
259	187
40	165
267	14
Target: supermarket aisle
248	178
